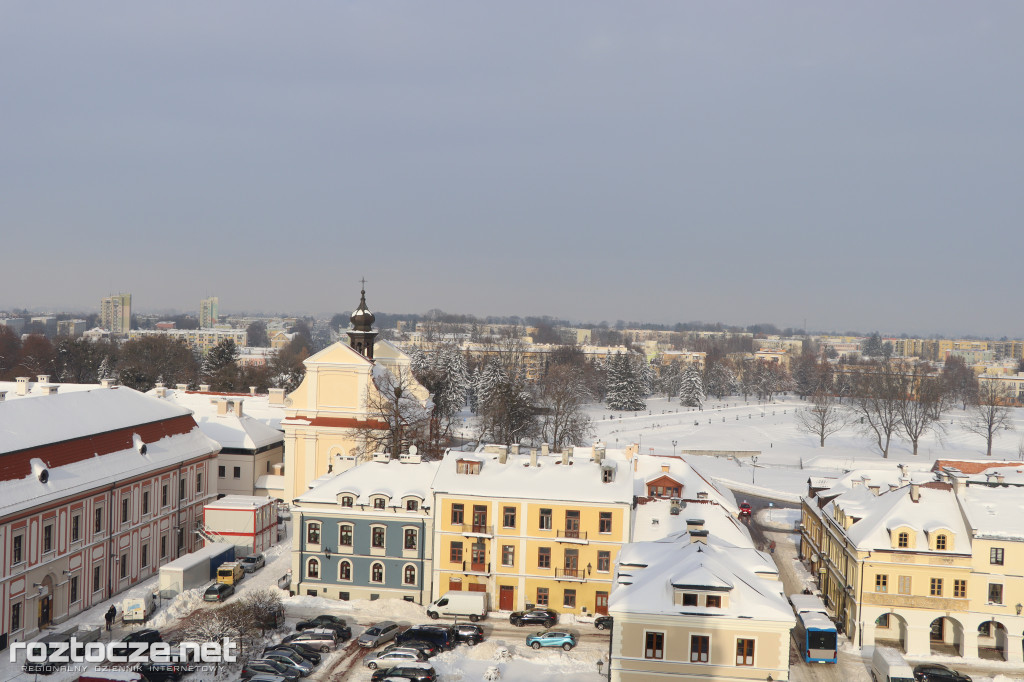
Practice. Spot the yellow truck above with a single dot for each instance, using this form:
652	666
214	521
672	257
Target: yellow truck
230	573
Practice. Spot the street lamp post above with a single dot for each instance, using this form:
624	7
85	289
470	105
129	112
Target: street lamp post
753	469
674	444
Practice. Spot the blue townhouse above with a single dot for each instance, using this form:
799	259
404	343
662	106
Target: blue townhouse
366	533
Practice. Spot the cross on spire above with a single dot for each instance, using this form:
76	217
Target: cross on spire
362	283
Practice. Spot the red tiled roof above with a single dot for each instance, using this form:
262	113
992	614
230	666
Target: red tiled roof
345	422
15	465
971	466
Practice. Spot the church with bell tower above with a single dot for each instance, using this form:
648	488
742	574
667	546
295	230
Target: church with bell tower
327	419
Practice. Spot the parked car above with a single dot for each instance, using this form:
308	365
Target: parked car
389	659
603	622
218	592
307	652
330	622
146	636
442	636
173	670
376	635
266	678
267	667
545	617
561	638
252	563
744	509
428	649
469	633
321	639
414	672
936	672
291	660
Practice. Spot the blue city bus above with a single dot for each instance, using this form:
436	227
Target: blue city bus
818	633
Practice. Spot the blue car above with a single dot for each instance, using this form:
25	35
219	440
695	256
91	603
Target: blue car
561	638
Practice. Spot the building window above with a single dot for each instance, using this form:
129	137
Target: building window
76	528
903	539
508	555
15	617
380	503
345	570
222	471
145	502
313	534
985	629
409	575
545	519
689	599
345	535
377	573
713	601
73	589
458	514
377	536
744	652
995	556
654	645
96	579
882	621
544	557
181	489
17	556
455	555
542	596
569	599
312	568
98	517
960	588
604	561
47	538
881	582
508	517
605	523
995	593
936	587
412	505
144	556
347	501
163	496
124	566
940	542
410	538
163	546
237	472
124	509
199	481
699	647
904	584
572	523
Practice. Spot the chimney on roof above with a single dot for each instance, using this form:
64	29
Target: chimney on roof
565	457
205	388
533	457
50	389
599	451
43	378
1000	478
544	450
238	407
915	492
893	486
160	384
106	383
903	469
875	489
252	390
700	536
222	407
161	391
278	469
694	524
22	386
503	454
959	484
276	396
181	387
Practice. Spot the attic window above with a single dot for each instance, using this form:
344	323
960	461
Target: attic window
347	500
380	503
466	466
689	599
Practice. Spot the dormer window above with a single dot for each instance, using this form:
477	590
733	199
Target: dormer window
903	540
940	542
689	599
347	500
713	601
412	505
379	503
466	466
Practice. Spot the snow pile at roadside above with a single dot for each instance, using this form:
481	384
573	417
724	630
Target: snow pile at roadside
518	662
398	610
183	604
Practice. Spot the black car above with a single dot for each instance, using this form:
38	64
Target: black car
936	672
545	617
265	667
411	672
171	670
603	622
146	636
331	622
441	636
469	633
307	653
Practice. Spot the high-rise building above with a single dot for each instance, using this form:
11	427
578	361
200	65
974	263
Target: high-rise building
116	313
208	312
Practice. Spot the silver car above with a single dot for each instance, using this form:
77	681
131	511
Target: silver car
392	657
253	563
291	660
376	635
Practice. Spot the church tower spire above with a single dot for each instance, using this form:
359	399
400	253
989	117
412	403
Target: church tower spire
362	335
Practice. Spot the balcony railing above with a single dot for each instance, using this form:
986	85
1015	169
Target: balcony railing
571	534
476	567
577	574
481	529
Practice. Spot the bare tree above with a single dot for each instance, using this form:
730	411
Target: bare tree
562	394
825	416
922	398
398	400
232	621
990	412
261	603
876	403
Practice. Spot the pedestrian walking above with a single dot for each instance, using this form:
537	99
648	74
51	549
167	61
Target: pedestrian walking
771	546
110	615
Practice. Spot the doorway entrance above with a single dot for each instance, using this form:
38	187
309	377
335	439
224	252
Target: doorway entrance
507	598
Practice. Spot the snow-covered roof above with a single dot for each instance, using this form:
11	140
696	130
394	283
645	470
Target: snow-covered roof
40	388
648	574
233	502
579	481
244	433
994	512
654	520
394	479
202	404
46	419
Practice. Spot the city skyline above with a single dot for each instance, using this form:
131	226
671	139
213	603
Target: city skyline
852	166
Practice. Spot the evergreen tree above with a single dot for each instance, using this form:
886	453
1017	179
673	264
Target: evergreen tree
691	391
624	387
220	367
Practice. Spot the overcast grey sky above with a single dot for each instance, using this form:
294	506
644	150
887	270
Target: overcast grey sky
857	165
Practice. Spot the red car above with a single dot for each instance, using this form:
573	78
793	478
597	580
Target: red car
745	509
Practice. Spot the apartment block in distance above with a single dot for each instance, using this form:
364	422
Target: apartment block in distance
116	313
209	309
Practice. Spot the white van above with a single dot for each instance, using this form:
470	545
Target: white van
887	665
471	604
137	609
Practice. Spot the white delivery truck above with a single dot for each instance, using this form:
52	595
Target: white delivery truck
137	609
471	604
888	665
